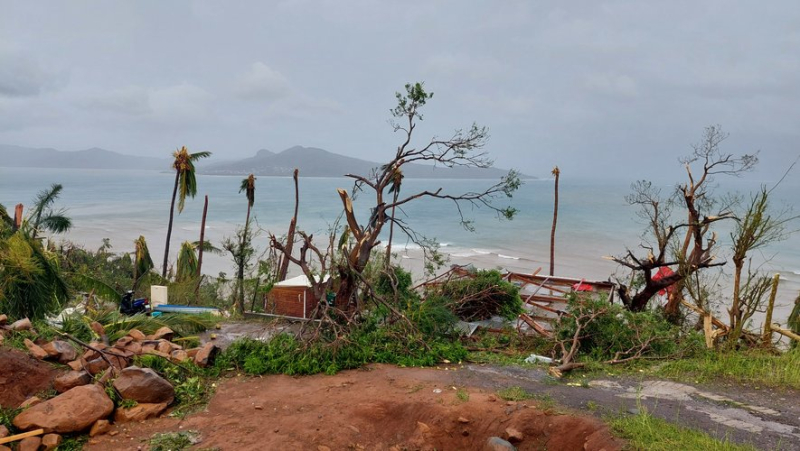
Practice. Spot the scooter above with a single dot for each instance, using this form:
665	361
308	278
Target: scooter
130	306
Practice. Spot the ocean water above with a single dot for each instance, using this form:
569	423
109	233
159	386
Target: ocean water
593	219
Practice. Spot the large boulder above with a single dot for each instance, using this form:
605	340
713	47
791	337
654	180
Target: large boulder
72	411
144	385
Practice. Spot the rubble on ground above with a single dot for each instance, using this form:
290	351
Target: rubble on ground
82	404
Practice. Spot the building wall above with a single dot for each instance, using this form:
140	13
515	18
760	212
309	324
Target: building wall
288	301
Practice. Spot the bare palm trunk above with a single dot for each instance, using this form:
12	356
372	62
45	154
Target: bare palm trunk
240	275
200	252
556	173
391	235
169	226
284	268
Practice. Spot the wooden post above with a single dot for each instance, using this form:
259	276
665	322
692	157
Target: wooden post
709	332
18	216
14	438
766	339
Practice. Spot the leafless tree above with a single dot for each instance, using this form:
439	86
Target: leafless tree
695	249
463	149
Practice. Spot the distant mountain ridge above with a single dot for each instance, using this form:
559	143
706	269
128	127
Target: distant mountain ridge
94	158
315	162
311	161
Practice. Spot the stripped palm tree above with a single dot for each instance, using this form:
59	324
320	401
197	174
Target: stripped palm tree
248	186
394	188
556	173
185	185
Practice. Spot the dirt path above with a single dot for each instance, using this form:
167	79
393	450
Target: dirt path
376	408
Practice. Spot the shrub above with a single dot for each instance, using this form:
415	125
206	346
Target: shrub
618	333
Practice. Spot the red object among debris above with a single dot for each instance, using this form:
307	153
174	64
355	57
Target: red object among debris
580	286
664	271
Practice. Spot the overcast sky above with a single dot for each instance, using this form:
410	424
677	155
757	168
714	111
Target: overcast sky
621	88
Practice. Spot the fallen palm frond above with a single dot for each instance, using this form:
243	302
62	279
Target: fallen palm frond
117	325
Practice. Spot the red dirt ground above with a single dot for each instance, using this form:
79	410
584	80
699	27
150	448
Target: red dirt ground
22	376
381	407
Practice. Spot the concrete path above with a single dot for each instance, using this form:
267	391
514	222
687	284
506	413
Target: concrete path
767	419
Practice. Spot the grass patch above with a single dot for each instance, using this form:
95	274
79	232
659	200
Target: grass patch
514	394
746	367
173	441
643	431
462	395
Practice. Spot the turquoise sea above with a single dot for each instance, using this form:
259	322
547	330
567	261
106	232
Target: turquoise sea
594	220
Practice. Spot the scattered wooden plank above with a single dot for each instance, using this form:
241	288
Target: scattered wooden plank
14	438
535	326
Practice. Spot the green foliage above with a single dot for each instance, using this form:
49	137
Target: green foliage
618	333
118	325
794	321
7	415
479	297
30	278
284	354
644	431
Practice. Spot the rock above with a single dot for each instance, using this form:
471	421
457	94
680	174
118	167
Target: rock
30	402
164	347
123	342
35	350
51	441
23	324
5	448
513	435
422	427
179	355
4	431
61	350
206	355
463	420
192	352
3	319
137	335
165	332
2	337
76	365
72	411
144	385
100	427
134	348
323	448
498	444
71	379
154	352
139	412
29	444
491	398
96	366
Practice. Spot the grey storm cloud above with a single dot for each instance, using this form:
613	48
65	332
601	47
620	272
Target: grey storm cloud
607	88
